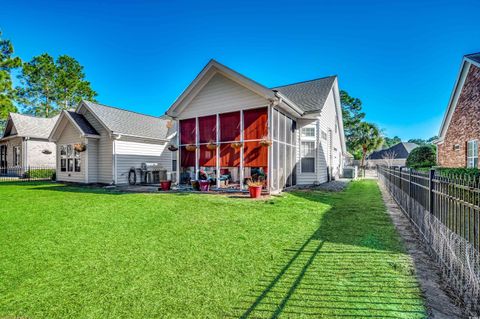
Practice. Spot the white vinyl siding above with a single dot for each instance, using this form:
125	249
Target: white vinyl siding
92	162
472	154
133	152
221	95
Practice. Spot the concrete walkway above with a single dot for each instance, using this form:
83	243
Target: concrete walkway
439	300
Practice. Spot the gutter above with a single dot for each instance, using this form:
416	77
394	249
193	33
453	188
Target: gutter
292	105
113	134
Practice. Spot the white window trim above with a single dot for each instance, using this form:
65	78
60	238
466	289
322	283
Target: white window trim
315	145
16	152
474	156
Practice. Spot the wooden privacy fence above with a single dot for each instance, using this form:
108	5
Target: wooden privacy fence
445	210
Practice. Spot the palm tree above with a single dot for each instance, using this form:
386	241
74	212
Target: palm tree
368	138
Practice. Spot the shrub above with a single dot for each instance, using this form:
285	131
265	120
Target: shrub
458	172
41	173
421	157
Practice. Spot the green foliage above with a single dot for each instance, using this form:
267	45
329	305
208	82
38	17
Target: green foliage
79	252
422	142
389	142
7	92
367	138
352	117
40	173
423	156
458	171
48	86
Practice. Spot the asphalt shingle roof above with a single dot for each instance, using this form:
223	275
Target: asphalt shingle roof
82	122
31	126
474	56
130	123
401	150
311	95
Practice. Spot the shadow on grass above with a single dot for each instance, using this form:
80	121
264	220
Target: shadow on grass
351	266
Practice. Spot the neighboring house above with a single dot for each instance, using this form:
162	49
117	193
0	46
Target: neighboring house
395	155
227	120
457	145
25	143
115	141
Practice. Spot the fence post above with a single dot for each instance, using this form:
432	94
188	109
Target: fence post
400	178
430	190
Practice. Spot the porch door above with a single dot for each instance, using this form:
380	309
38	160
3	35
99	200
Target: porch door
3	159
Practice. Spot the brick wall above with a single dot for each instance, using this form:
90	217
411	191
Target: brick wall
464	125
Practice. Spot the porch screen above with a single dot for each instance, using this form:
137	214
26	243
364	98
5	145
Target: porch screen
187	131
230	127
229	157
255	124
207	157
207	128
255	155
187	158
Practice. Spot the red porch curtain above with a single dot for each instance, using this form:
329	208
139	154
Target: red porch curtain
207	128
187	131
230	127
255	155
186	158
207	157
229	157
255	123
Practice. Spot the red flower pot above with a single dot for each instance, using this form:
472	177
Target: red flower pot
204	185
165	185
255	191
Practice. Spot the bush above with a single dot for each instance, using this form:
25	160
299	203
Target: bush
41	173
422	157
458	172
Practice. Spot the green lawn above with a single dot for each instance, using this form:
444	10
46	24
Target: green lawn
69	252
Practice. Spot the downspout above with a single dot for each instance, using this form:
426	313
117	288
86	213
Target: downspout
25	153
114	153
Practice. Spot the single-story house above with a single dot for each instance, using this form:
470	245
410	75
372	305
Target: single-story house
395	155
233	129
25	143
101	144
457	145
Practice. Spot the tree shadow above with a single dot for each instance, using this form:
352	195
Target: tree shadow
353	265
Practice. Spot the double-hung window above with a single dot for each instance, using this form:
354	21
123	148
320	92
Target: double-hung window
16	155
70	160
472	154
307	149
63	158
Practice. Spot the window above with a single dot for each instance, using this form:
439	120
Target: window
472	154
324	135
16	155
70	160
308	157
308	132
174	165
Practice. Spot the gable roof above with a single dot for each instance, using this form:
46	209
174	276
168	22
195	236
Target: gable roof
467	61
82	123
29	126
401	151
310	95
123	122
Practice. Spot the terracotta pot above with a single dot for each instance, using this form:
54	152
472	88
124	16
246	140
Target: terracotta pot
204	185
255	191
165	185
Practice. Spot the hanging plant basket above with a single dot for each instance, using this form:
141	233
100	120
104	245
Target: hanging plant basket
236	145
169	124
191	148
172	148
212	146
265	142
80	147
47	152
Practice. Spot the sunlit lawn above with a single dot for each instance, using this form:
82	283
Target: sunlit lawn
89	253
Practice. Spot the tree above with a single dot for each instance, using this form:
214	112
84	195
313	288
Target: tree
389	142
7	92
389	158
352	117
49	86
368	138
422	156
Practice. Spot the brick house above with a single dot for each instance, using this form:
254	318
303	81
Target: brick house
457	145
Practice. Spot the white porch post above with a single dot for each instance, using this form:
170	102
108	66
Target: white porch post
217	154
270	149
197	150
241	150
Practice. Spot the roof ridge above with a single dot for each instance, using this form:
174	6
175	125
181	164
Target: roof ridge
306	81
471	54
120	109
32	116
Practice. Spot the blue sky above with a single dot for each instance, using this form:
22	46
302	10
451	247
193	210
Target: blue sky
401	58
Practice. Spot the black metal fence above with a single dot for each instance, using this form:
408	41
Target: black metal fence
26	174
445	210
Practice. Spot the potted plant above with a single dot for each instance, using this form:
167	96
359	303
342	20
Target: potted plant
172	148
165	185
212	145
195	185
191	147
255	188
80	147
265	142
236	145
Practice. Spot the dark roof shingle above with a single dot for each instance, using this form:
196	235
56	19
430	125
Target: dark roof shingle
82	123
474	56
401	150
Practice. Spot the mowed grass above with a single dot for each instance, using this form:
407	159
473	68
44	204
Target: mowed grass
71	252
